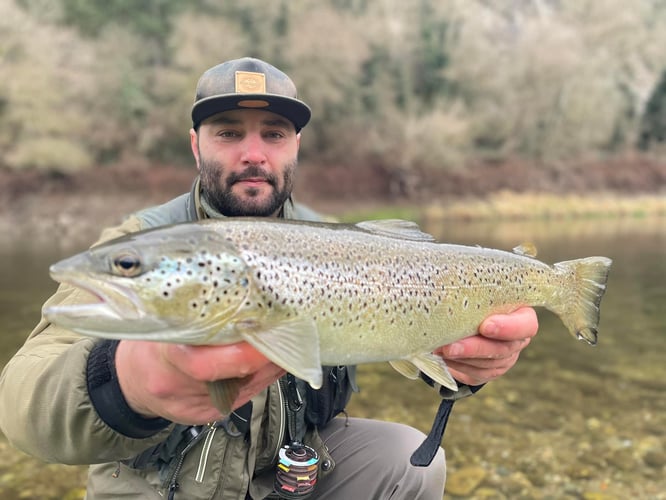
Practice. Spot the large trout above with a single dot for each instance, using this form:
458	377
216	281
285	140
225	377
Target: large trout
312	294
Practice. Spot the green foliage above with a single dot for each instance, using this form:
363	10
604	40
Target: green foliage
429	83
148	18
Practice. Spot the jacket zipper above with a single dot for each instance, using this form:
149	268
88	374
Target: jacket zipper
203	459
173	480
282	424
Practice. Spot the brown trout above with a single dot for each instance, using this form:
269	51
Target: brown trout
311	294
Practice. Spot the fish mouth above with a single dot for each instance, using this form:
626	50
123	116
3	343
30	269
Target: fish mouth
118	309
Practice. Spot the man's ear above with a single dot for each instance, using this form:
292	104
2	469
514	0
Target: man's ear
194	146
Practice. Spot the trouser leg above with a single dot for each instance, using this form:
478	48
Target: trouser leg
372	463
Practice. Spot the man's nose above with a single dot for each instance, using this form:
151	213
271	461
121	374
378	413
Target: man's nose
253	150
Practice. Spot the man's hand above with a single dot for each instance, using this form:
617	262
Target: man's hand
169	380
483	357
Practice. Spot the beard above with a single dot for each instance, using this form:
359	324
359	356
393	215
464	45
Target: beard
219	191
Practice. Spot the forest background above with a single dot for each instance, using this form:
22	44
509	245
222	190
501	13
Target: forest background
411	100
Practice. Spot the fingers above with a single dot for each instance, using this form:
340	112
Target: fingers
517	325
480	371
208	363
257	382
481	348
169	380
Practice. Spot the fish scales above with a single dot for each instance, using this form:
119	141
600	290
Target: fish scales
312	294
426	291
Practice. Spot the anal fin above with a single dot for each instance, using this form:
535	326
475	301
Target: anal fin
435	368
405	368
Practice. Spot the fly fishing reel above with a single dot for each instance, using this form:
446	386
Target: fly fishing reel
297	470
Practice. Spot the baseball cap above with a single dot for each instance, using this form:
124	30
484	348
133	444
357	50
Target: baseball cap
248	83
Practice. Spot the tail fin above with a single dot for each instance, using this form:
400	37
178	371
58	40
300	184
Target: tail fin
586	280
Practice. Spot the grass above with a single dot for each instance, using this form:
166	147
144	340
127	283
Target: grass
544	206
509	206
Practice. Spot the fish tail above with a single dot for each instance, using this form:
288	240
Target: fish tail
581	296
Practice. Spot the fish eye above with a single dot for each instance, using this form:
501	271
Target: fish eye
127	264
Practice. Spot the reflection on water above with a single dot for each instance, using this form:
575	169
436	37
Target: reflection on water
569	421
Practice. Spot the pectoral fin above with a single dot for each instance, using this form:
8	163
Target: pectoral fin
435	368
223	393
292	345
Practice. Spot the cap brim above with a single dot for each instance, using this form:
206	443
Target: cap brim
294	110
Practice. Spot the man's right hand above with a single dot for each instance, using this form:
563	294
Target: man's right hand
169	380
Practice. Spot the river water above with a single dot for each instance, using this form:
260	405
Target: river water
568	421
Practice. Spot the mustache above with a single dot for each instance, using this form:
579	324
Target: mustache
252	172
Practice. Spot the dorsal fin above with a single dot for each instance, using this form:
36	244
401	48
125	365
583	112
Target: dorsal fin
527	249
396	228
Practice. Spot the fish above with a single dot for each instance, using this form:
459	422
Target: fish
313	294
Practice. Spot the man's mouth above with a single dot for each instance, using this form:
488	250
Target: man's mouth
253	180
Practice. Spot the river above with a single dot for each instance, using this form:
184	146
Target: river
569	421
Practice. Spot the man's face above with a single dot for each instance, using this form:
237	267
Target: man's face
247	160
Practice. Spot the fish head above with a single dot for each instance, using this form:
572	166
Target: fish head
178	284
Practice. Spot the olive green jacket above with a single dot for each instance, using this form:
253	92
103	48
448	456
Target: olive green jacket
46	411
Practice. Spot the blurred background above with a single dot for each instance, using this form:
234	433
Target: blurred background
488	122
405	95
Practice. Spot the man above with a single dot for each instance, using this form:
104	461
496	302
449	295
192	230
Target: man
140	412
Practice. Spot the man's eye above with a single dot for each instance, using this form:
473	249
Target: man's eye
228	134
274	135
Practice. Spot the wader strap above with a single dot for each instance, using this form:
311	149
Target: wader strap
424	454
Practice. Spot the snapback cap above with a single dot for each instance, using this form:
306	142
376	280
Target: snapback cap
248	83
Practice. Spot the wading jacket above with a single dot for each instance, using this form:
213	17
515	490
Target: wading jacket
60	401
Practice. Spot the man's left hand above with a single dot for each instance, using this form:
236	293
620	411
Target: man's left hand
484	357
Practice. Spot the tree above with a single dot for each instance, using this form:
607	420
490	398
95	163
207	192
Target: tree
653	122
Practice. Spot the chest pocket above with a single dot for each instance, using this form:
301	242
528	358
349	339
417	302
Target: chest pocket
198	463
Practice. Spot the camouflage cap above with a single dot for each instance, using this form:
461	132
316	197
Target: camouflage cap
248	83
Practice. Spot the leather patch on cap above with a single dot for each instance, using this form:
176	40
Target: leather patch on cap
248	82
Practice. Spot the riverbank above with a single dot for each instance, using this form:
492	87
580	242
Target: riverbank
70	210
